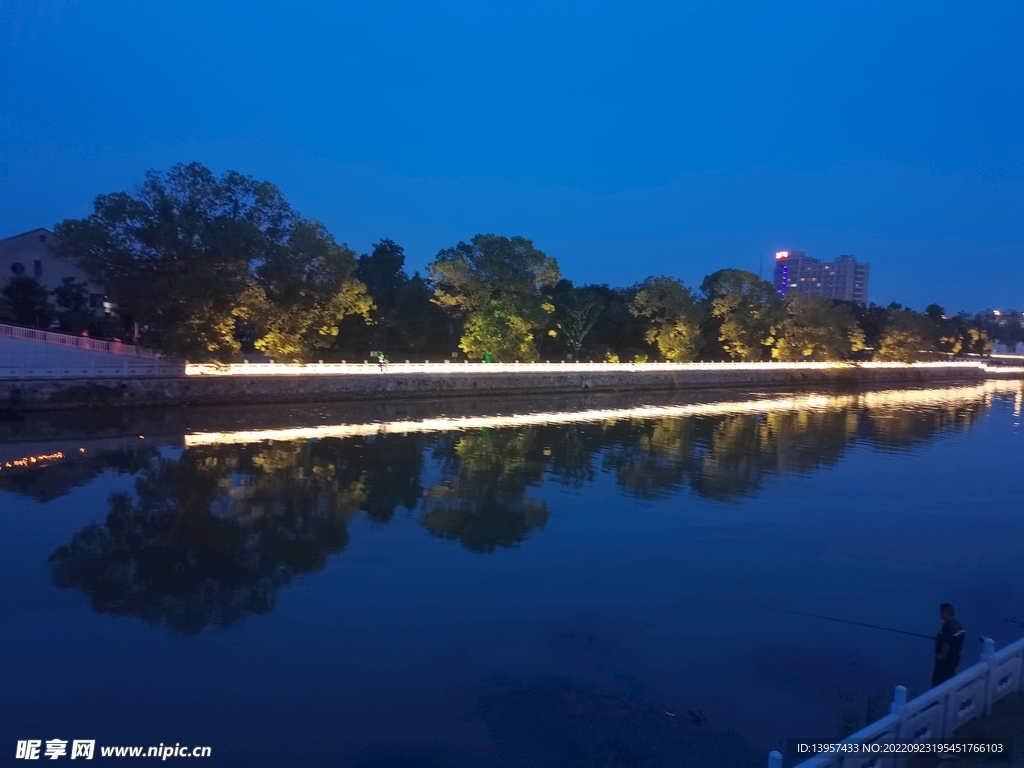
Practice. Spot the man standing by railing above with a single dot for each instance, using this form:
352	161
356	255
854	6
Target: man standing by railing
948	643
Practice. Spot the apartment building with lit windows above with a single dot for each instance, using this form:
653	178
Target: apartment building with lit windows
844	278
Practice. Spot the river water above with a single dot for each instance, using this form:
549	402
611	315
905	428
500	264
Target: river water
632	581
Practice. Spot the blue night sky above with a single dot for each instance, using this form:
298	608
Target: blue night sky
625	139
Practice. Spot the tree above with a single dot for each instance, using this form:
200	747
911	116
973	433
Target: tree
383	273
419	324
404	317
618	332
576	312
674	316
745	309
188	255
908	337
816	329
26	302
300	291
1006	327
498	330
870	317
958	335
73	313
494	281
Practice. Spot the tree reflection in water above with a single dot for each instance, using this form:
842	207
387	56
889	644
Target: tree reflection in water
211	535
482	502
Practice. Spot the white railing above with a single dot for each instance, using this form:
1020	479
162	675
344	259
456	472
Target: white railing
936	714
145	362
67	341
337	369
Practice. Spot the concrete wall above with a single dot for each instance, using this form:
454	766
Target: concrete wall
29	360
33	394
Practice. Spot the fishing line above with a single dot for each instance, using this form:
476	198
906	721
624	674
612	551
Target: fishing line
843	621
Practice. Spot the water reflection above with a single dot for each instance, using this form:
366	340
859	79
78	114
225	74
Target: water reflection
215	529
482	501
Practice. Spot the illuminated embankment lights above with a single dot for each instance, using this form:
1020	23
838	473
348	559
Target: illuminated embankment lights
343	369
29	461
815	402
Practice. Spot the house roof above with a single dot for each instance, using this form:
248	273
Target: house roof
28	232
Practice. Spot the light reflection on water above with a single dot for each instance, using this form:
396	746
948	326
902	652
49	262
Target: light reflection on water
597	566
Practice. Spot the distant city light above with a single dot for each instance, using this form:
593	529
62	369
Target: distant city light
28	461
782	254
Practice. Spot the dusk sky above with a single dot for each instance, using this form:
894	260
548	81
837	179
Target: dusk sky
625	139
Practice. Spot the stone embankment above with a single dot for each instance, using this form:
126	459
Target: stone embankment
434	382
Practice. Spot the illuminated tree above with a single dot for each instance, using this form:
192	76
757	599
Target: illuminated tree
745	309
189	255
908	337
496	281
816	329
674	316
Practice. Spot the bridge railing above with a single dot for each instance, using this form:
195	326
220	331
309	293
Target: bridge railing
68	341
934	715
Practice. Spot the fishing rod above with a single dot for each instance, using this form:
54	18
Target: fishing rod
843	621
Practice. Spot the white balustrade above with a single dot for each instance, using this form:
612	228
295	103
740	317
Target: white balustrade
85	343
340	369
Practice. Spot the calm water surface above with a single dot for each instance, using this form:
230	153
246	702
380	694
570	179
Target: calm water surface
563	583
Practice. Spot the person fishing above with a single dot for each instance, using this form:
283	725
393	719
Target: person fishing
948	643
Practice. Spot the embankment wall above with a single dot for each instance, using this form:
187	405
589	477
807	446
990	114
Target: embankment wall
44	394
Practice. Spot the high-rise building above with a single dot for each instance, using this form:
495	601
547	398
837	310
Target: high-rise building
845	278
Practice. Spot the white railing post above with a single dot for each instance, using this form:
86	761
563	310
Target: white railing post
899	700
774	759
988	649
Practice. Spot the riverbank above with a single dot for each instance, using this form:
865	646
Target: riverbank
316	384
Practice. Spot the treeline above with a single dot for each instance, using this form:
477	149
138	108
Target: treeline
212	268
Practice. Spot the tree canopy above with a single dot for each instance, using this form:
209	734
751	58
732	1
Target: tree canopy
674	316
746	309
816	329
496	284
909	337
188	255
